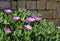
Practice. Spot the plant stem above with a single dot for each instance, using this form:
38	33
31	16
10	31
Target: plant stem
57	36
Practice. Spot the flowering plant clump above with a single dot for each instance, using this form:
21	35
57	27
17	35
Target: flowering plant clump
22	25
16	18
8	11
29	19
7	30
28	27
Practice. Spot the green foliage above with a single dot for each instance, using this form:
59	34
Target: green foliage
41	30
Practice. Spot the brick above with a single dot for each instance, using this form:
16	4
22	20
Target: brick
40	5
58	0
58	9
53	0
41	0
25	0
14	4
31	5
7	0
46	14
34	12
21	4
51	5
13	0
55	21
55	14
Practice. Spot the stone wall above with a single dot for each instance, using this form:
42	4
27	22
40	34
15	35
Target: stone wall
49	8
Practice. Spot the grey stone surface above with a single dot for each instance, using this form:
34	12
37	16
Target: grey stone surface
4	4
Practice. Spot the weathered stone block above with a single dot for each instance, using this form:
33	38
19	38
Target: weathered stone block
25	0
58	0
31	5
51	5
46	14
40	5
55	21
41	0
55	14
21	4
34	12
58	9
14	4
53	0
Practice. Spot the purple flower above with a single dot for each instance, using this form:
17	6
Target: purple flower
8	11
58	27
30	19
16	18
28	27
7	30
37	18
